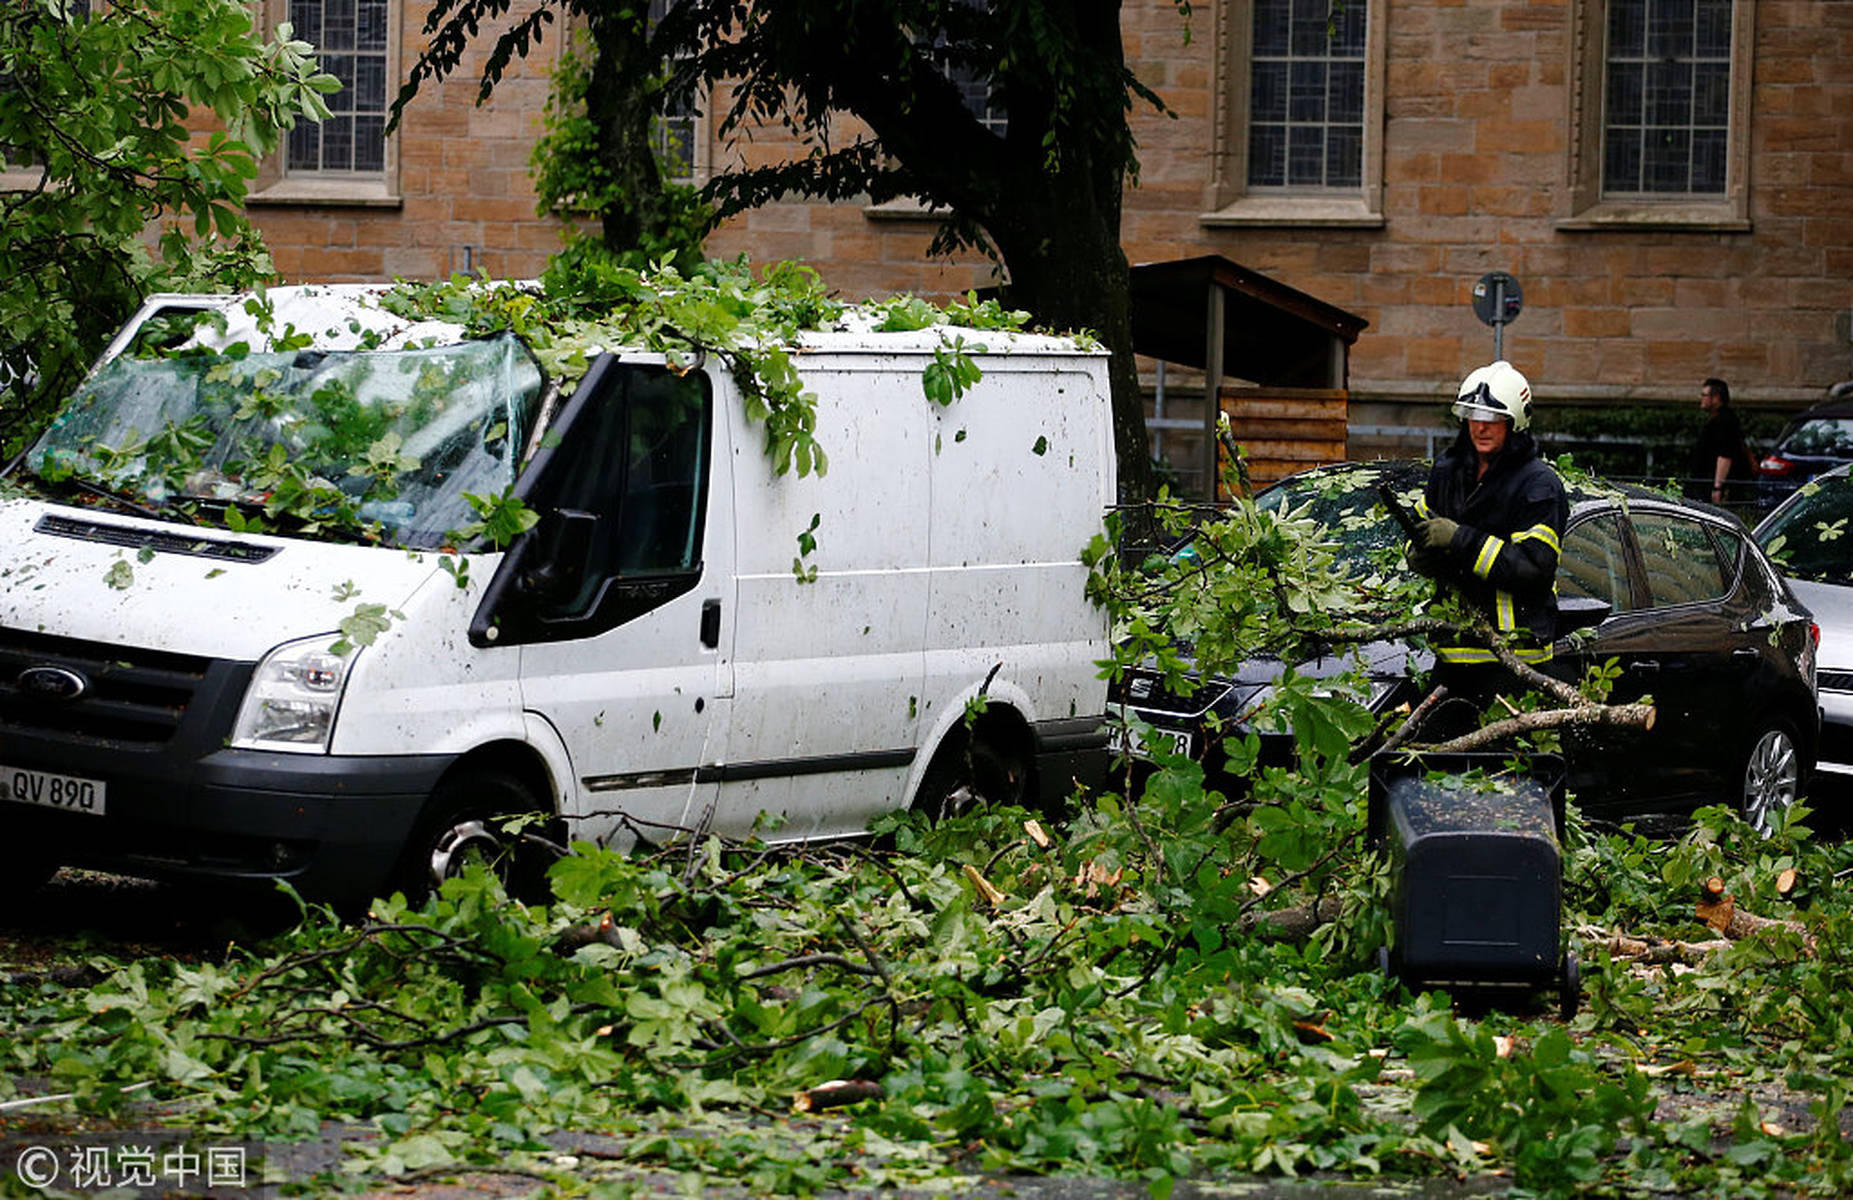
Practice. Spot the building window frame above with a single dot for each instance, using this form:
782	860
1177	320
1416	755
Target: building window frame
279	184
1232	201
688	121
1586	205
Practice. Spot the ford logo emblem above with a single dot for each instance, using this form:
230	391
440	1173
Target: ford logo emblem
52	683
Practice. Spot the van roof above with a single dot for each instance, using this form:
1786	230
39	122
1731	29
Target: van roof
344	316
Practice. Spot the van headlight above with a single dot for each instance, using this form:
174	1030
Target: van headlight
292	699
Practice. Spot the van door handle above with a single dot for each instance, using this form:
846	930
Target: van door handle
711	623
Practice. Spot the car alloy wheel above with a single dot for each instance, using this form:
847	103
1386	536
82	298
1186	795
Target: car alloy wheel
1772	775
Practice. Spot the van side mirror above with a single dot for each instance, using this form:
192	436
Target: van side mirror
562	553
1581	612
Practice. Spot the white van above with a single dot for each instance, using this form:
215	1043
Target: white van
188	688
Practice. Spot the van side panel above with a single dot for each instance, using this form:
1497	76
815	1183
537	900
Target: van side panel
827	673
1022	473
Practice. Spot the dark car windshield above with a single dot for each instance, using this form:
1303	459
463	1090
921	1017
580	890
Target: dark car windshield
1821	435
1345	503
1812	535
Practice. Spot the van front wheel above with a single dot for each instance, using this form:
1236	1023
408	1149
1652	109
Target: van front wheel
468	820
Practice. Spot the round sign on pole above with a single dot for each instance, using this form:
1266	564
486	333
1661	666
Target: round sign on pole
1497	299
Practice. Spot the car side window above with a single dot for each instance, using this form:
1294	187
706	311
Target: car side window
1732	549
1594	563
1683	564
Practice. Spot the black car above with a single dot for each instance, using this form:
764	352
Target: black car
1676	592
1818	440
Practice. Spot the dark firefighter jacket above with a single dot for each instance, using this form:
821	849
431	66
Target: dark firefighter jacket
1504	555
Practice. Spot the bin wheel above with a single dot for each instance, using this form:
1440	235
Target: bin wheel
1570	987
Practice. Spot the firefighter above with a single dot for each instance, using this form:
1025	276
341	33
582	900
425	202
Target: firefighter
1492	522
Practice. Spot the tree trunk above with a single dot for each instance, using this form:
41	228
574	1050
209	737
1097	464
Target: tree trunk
620	102
1056	220
1070	272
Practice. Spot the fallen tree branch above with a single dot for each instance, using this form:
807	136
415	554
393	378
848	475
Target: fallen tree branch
1647	950
836	1094
1736	924
1417	718
1634	716
1294	924
809	960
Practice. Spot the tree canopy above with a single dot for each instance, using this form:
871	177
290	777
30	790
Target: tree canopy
1040	192
95	137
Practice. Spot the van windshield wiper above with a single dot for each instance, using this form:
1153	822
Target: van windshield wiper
118	500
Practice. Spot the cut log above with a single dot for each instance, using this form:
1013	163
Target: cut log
1294	924
1734	923
836	1094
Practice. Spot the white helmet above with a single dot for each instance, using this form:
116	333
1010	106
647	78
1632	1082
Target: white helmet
1493	392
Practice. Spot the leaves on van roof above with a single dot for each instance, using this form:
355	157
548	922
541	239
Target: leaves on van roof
338	465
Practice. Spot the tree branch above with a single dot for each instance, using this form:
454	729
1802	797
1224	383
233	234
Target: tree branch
1635	716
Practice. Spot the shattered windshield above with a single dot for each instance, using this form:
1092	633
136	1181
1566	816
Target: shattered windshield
360	445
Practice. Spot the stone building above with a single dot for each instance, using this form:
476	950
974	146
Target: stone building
1669	181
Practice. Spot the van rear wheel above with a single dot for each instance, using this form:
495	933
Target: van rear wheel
973	769
466	822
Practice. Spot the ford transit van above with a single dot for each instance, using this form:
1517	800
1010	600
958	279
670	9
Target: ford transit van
255	621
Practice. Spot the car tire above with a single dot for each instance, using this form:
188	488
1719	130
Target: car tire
1771	775
463	824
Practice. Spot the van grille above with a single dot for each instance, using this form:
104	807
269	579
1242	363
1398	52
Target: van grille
129	696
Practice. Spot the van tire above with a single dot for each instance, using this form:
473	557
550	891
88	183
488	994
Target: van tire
462	824
974	768
22	873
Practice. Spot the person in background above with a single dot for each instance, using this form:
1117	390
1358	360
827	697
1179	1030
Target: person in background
1721	458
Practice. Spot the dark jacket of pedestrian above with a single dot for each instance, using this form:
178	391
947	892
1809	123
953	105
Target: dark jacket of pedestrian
1722	437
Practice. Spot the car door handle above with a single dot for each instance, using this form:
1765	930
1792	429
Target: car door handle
711	623
1645	666
1746	652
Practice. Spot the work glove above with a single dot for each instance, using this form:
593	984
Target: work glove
1424	561
1436	533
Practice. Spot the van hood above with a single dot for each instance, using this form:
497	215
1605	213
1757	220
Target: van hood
103	577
